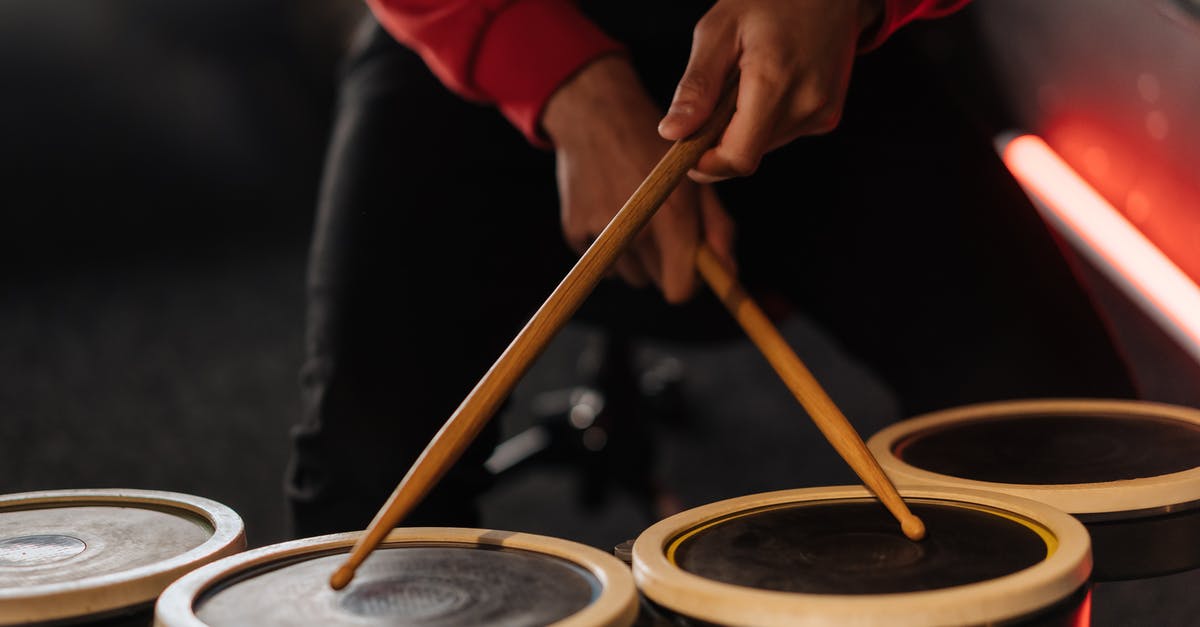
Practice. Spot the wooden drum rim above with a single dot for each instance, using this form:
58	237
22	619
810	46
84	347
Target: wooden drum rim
617	604
139	585
1040	586
1133	496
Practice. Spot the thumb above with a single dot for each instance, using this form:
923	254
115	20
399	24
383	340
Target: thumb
713	55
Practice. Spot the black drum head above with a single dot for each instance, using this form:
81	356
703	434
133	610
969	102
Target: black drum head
855	547
1054	449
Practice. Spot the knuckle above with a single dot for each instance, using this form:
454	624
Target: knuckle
703	28
770	75
808	101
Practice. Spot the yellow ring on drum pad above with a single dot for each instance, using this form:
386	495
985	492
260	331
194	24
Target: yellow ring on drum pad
834	556
852	547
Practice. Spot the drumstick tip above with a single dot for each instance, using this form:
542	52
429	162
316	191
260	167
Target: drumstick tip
913	528
341	577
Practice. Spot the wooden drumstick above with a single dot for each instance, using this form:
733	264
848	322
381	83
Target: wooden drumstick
828	418
483	401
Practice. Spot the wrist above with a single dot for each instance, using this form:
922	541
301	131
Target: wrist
605	85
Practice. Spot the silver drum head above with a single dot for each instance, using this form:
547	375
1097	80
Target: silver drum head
70	554
426	576
431	586
62	544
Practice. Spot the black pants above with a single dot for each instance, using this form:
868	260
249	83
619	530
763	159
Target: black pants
437	236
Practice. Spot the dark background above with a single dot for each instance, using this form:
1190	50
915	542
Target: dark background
159	162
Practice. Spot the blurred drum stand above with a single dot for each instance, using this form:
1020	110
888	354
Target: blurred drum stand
603	429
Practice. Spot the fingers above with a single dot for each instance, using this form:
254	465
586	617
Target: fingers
791	83
631	267
645	251
768	117
713	55
750	132
676	232
664	254
632	271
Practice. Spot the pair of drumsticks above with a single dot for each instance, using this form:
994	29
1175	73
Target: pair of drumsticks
483	401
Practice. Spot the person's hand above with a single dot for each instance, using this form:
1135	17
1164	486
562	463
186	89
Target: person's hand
602	124
794	59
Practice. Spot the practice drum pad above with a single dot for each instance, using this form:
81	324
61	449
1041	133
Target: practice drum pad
74	553
853	548
836	556
431	577
1129	470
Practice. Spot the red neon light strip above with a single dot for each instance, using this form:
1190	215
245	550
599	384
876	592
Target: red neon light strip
1102	233
1084	617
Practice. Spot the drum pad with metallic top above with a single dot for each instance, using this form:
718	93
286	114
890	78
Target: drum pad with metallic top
73	553
432	577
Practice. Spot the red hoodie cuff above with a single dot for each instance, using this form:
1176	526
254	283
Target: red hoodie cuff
897	13
530	49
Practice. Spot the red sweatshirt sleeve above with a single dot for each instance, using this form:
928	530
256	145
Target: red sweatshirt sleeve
897	13
513	53
516	53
